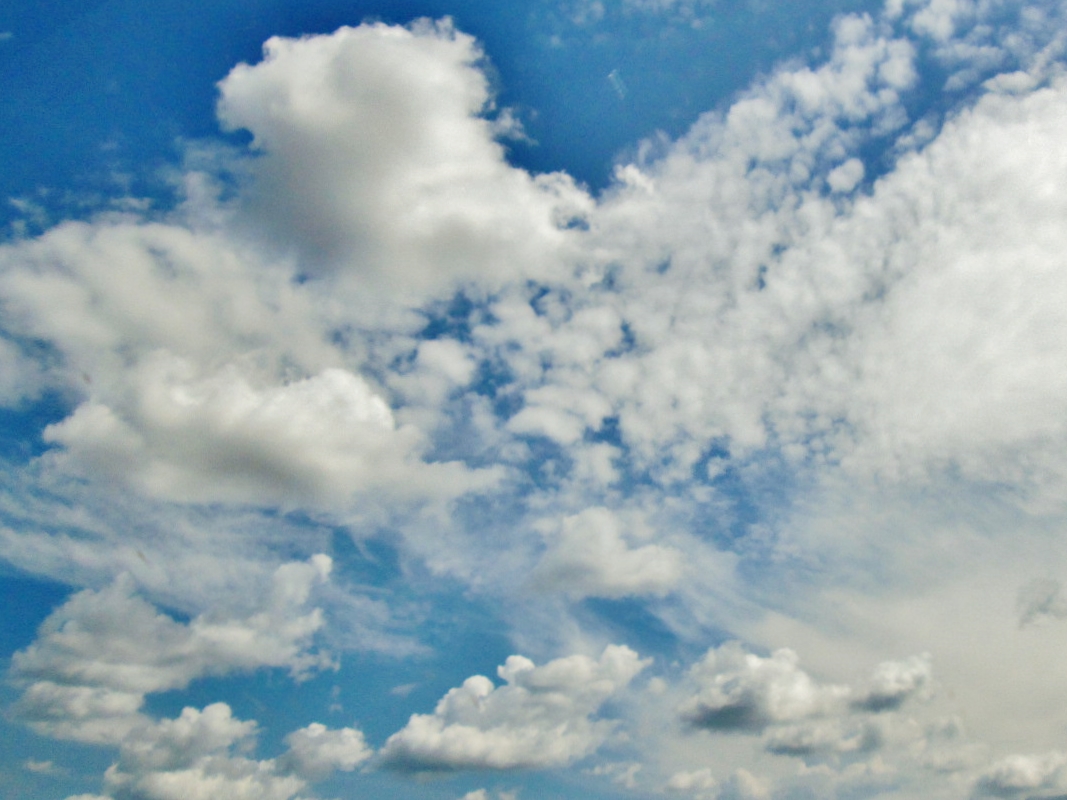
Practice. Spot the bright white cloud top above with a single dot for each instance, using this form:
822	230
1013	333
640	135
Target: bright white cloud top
754	459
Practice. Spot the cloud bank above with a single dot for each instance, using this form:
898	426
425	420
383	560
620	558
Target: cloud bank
791	387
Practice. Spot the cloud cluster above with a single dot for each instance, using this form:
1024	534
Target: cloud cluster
740	692
101	652
540	717
200	754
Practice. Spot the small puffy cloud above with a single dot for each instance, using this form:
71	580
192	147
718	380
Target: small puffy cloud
894	682
740	691
540	716
696	781
1024	776
589	556
41	767
845	177
743	785
316	750
101	652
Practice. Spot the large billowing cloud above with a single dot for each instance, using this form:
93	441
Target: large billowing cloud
426	200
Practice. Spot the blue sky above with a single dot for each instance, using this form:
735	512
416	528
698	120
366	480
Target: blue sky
595	398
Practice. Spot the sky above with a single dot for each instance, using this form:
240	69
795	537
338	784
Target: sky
563	399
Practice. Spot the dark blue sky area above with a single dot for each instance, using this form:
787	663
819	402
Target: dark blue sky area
94	88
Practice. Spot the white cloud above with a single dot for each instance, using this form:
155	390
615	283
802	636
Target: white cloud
743	785
745	294
590	556
186	437
1025	775
740	691
99	654
191	758
426	198
316	750
894	682
540	717
697	781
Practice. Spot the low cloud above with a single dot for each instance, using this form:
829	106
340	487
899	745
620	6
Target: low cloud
1025	776
590	557
540	717
101	652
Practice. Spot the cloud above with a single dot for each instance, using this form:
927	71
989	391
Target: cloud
743	692
192	758
808	292
1024	775
700	780
101	652
739	692
589	556
1040	598
540	716
894	682
426	198
98	656
316	751
218	438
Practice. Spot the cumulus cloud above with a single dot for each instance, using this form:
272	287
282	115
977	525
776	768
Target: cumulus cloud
219	438
426	198
894	682
1024	775
540	717
589	556
192	758
101	652
697	781
740	691
316	750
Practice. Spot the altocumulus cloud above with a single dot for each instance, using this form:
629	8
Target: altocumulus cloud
767	391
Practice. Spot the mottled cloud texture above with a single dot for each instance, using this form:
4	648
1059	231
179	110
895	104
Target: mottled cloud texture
791	392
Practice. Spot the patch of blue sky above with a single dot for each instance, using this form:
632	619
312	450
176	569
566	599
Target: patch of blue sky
40	767
22	427
633	621
27	600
